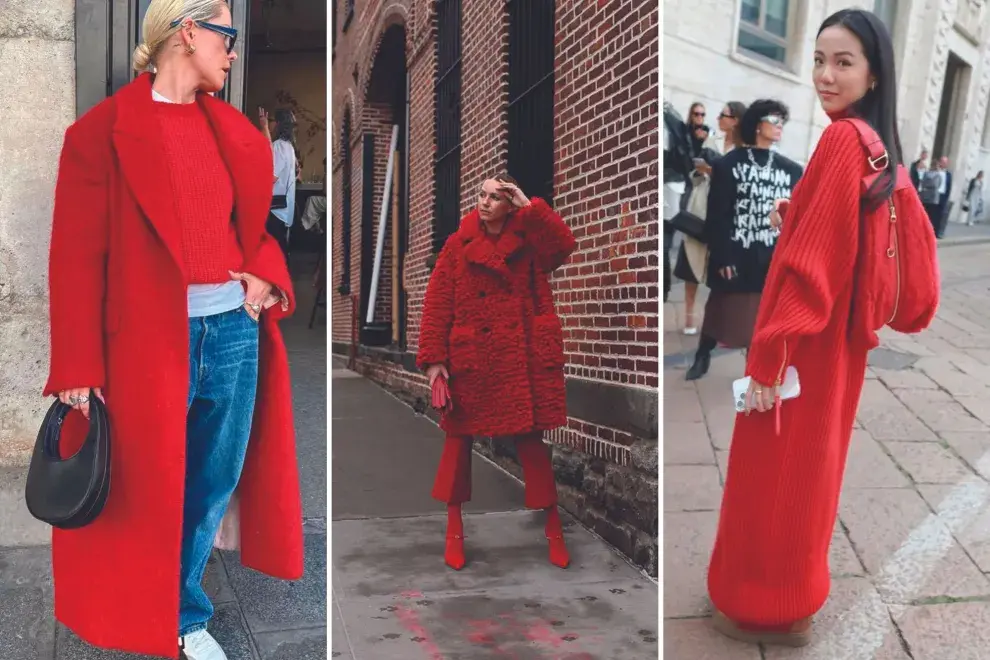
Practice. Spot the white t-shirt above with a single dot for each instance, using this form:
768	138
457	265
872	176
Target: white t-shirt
285	169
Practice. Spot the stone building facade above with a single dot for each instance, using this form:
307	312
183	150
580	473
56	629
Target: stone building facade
37	101
564	98
722	50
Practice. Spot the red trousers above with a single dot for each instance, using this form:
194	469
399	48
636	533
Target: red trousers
453	482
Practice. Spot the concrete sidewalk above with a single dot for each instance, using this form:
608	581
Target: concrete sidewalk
393	597
257	618
910	555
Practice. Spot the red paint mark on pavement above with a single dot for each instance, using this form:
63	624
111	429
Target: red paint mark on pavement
411	594
410	621
542	633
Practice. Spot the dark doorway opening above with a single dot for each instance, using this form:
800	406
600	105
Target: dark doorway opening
385	106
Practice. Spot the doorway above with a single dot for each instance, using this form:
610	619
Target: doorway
951	114
385	107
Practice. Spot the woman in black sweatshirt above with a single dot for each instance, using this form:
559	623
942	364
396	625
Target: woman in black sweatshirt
744	186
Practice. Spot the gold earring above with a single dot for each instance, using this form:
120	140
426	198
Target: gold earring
191	48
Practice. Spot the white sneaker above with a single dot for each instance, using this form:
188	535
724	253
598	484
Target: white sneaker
200	645
690	331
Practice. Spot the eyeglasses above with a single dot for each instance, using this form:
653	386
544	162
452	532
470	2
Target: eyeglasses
229	33
774	120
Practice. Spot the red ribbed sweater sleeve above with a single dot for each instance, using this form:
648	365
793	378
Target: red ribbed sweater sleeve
816	253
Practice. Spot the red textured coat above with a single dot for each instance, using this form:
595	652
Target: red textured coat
489	317
119	320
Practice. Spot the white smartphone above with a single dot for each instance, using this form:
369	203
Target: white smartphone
789	389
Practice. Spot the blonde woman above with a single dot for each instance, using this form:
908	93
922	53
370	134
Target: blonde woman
165	293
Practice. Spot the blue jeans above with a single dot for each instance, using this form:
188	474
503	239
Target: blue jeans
223	380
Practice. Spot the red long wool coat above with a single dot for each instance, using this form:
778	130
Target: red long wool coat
489	317
119	320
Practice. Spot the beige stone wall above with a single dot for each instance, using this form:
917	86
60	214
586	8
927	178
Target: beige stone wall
700	62
37	100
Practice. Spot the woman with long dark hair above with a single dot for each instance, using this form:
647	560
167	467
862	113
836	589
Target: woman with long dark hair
831	287
692	257
165	297
489	327
744	184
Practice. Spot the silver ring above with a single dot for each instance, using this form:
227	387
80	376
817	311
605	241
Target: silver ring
83	399
255	307
73	400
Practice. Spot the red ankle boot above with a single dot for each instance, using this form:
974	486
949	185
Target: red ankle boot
453	554
555	536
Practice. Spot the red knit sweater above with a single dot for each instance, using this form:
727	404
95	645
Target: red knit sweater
203	194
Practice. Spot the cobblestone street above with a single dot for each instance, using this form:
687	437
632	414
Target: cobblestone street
911	551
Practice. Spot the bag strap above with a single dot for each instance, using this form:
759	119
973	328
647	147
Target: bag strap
876	157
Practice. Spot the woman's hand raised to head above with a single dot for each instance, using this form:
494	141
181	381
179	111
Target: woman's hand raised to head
78	398
435	370
516	196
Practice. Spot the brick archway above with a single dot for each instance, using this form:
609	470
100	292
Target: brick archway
383	105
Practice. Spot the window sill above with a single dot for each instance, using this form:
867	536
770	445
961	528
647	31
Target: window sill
778	70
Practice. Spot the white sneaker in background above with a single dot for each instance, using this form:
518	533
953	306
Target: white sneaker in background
200	645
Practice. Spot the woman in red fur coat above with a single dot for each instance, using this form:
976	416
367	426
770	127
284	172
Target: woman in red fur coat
165	293
769	570
489	327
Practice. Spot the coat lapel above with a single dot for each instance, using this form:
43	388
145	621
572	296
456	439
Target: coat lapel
249	162
491	255
137	139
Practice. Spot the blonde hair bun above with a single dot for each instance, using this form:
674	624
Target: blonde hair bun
142	57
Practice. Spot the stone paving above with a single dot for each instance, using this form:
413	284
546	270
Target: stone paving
257	617
910	556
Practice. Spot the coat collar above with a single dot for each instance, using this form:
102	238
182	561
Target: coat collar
493	255
137	139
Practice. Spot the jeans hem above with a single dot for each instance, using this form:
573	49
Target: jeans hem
195	628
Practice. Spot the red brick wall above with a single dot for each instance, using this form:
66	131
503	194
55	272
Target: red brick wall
607	84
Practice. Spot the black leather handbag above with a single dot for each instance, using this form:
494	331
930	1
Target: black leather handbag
70	493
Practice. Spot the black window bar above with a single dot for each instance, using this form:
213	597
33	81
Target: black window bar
333	29
531	88
345	206
447	91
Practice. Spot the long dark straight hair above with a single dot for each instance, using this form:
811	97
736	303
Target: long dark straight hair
878	107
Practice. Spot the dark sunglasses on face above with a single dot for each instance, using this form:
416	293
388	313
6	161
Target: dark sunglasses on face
774	120
725	115
229	33
698	113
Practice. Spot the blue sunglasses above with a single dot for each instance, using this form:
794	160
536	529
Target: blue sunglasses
229	33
